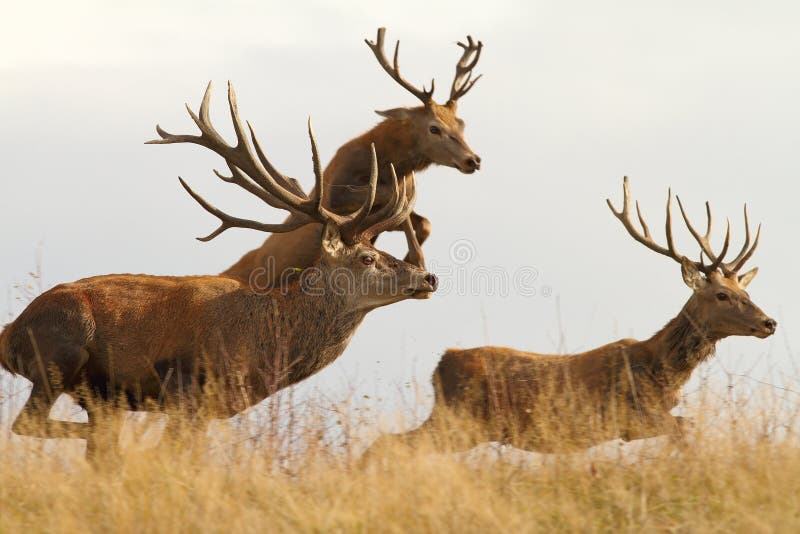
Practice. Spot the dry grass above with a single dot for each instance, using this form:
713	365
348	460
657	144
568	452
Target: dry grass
741	472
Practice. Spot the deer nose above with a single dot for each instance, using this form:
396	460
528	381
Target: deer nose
771	324
432	281
474	162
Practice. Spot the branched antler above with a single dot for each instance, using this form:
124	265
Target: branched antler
644	237
463	82
393	69
251	170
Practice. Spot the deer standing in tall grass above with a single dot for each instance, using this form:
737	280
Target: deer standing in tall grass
625	389
409	138
151	342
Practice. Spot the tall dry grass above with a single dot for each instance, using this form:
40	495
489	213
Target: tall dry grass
739	473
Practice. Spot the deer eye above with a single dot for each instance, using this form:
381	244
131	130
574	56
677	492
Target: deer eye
435	130
368	260
722	296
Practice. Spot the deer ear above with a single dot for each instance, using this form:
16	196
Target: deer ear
691	274
332	243
395	113
746	278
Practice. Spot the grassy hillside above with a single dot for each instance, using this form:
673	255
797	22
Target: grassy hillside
740	472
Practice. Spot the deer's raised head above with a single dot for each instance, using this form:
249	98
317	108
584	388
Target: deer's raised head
720	306
349	264
438	131
353	265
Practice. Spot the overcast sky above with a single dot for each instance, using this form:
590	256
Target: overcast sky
699	96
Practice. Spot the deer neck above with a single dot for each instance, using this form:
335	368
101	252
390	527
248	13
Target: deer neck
348	172
312	327
678	348
396	144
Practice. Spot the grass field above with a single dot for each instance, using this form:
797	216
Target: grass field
739	473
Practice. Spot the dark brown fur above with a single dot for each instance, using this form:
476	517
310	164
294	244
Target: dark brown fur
159	341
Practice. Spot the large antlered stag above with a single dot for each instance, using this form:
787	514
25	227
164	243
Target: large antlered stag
625	389
410	138
157	340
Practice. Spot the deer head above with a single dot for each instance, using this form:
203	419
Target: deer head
349	264
719	306
437	129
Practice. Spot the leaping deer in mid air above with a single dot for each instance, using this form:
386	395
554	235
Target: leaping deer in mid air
625	389
157	341
410	138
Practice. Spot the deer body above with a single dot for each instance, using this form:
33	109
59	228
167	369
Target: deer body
346	177
159	341
172	333
625	389
556	403
409	139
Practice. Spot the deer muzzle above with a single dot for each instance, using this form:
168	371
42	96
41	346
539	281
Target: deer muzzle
471	164
769	327
426	284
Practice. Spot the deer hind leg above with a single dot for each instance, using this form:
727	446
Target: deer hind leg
53	372
102	440
34	419
417	229
441	433
676	427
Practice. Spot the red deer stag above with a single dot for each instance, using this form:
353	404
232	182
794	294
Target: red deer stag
411	139
625	389
156	340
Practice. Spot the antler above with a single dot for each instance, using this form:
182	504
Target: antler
462	81
252	171
394	69
646	239
747	251
395	211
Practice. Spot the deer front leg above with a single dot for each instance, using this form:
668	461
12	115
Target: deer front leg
682	427
34	420
417	229
659	425
422	226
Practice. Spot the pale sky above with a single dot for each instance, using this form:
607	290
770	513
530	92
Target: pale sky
698	96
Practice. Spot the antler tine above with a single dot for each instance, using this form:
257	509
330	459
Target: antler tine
718	262
289	183
351	224
203	124
642	222
389	205
228	221
703	241
242	155
393	70
624	216
238	128
348	224
239	178
463	82
401	209
749	253
730	267
205	105
318	174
